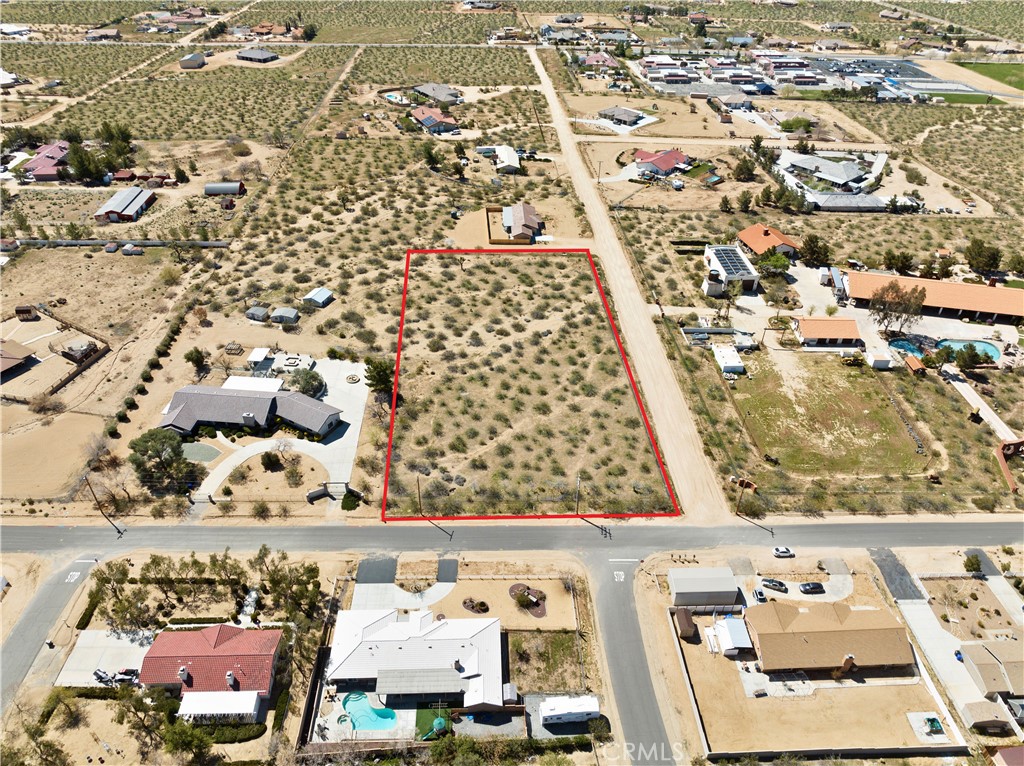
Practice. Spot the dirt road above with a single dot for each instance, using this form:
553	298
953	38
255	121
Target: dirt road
692	474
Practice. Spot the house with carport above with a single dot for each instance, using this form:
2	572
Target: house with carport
831	332
962	300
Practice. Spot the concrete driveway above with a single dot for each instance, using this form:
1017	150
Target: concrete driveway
103	650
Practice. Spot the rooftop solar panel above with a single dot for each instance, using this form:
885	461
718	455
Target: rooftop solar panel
732	261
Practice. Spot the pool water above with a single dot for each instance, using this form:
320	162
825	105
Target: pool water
365	717
983	347
907	347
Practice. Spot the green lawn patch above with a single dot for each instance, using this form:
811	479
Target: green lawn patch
1008	74
968	98
1016	283
425	719
699	170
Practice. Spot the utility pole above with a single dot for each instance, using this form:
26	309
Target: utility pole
419	495
577	494
99	507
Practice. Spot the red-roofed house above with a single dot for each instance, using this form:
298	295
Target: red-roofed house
661	163
220	671
47	161
600	60
760	238
434	120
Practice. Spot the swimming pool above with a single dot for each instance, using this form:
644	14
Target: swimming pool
907	347
364	716
983	347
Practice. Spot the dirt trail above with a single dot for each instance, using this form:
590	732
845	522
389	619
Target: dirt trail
693	476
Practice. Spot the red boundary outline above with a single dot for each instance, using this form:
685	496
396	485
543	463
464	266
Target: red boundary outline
625	362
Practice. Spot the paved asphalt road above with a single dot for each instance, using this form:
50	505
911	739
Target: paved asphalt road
616	612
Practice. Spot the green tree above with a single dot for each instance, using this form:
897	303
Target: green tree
160	463
745	201
815	252
196	357
380	376
309	31
757	146
968	357
1015	262
144	715
47	752
894	308
180	175
972	563
430	156
744	170
181	738
725	204
981	257
944	269
772	263
308	382
899	261
84	165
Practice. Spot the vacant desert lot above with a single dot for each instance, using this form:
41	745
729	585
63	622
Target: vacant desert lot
500	354
454	66
854	715
80	68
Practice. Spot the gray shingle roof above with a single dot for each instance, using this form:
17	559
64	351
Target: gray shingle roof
194	405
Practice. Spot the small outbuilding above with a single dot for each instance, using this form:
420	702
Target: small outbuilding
732	636
257	313
230	188
126	205
703	586
728	359
319	297
284	315
683	618
915	365
192	61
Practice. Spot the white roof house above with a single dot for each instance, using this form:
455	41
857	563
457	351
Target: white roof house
732	636
210	706
318	296
416	654
702	586
505	159
728	359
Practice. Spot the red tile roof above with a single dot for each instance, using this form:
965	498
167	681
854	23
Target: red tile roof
208	654
664	160
761	238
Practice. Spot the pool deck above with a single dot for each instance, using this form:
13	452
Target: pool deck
404	728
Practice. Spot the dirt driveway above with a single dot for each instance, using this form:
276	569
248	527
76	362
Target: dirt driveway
692	474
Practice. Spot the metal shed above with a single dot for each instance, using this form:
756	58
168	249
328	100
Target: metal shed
235	188
284	315
703	586
258	313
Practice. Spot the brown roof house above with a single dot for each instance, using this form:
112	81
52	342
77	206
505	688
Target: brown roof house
997	667
521	222
760	238
952	299
827	331
826	637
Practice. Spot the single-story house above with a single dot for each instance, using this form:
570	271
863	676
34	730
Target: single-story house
569	18
8	245
826	637
521	221
761	238
779	116
125	174
846	175
997	667
257	55
727	263
257	313
893	15
703	586
234	188
661	163
434	120
836	26
193	406
126	205
318	296
221	673
599	60
986	716
727	357
831	45
732	636
284	315
1009	756
741	41
44	165
95	35
192	61
506	161
827	331
952	299
620	115
439	94
412	655
13	355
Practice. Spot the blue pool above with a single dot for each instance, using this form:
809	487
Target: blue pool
906	347
364	717
983	347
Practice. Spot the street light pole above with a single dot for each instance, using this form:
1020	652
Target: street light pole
99	507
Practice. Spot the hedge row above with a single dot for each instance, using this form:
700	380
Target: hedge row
198	620
95	597
226	734
80	692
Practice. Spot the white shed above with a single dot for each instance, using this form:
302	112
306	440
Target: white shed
568	709
703	586
728	359
318	296
732	636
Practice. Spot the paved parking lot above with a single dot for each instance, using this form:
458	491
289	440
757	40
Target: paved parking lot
106	651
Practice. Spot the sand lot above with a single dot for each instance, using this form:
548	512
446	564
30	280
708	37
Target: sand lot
25	572
46	337
674	118
19	459
967	608
561	613
827	113
852	716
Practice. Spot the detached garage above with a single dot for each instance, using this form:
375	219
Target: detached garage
705	586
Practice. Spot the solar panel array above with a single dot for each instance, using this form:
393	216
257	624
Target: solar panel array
732	261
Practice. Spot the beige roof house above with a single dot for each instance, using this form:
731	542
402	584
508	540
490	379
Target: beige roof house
521	221
823	636
997	667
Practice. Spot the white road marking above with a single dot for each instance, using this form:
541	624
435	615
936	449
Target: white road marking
620	577
72	576
632	561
